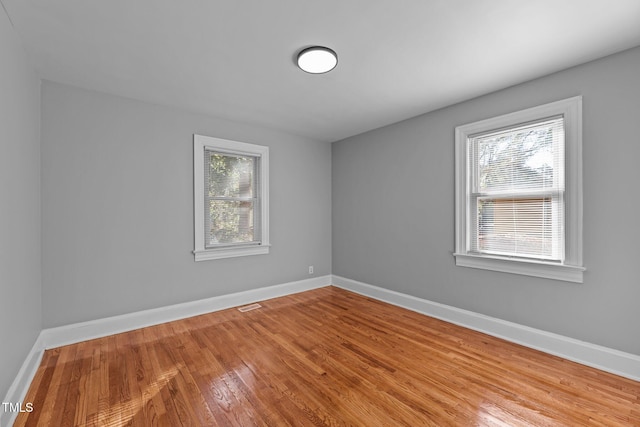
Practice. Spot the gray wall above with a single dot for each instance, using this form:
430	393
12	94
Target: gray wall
117	206
393	209
20	310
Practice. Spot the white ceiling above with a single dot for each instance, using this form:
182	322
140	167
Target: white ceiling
234	59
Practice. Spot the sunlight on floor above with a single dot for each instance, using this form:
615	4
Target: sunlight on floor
490	415
122	414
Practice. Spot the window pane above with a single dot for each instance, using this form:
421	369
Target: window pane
230	222
527	157
519	227
230	176
231	199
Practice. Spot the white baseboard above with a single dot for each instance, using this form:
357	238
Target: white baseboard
603	358
18	389
77	332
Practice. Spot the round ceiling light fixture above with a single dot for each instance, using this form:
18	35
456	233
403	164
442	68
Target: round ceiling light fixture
317	60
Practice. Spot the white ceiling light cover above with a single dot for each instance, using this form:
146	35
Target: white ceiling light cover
317	60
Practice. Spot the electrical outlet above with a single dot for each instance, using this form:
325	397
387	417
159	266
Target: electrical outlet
311	269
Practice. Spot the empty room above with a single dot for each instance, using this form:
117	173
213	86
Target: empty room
337	213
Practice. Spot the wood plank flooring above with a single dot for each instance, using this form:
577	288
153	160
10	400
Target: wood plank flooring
326	357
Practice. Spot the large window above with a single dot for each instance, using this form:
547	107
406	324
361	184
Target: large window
230	198
519	192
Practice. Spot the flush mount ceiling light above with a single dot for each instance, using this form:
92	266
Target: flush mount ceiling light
317	60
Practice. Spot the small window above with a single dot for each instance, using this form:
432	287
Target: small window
519	192
231	198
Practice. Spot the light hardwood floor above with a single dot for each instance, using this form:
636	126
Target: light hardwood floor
326	357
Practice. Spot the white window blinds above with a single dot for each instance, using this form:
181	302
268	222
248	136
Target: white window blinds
516	191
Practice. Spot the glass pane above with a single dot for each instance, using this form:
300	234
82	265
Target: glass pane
230	222
230	176
518	227
528	157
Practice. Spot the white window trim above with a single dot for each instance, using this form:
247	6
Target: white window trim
572	268
200	143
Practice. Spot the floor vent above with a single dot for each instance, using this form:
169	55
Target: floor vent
249	307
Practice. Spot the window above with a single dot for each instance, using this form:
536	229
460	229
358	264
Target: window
519	192
231	202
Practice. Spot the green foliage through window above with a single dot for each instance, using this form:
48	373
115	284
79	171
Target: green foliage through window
231	199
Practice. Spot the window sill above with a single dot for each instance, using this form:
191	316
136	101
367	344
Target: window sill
230	252
547	270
